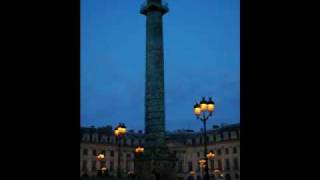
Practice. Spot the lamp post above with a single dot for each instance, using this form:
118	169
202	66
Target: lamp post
203	111
119	132
210	156
218	174
100	157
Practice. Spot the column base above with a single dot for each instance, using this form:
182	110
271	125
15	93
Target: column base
157	164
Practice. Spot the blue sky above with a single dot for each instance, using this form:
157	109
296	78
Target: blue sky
201	58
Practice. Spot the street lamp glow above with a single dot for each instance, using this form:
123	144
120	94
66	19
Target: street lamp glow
217	172
120	130
203	105
210	155
139	150
116	132
197	110
100	157
211	105
202	161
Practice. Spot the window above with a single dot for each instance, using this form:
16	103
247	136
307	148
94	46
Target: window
85	151
127	166
111	166
218	137
212	163
86	137
94	152
111	153
228	177
237	176
128	156
213	138
233	135
219	165
84	165
180	163
93	167
227	150
95	137
219	151
198	167
234	150
235	164
198	154
189	166
225	135
227	165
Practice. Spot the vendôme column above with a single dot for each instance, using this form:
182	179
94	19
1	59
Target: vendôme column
156	162
154	87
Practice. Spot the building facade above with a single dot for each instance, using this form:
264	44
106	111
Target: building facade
187	146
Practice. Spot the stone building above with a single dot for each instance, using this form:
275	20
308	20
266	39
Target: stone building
187	146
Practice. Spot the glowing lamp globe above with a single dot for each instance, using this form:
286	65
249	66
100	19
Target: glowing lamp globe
116	132
210	155
197	110
210	105
203	105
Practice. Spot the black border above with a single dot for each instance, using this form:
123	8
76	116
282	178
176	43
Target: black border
41	116
41	112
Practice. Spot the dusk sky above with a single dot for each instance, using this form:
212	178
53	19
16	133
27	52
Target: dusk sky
201	58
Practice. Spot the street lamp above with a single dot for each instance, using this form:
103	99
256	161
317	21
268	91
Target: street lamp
202	163
100	157
210	155
103	170
119	132
218	173
204	108
139	150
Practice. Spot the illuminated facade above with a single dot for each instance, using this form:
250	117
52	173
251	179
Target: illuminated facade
187	145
